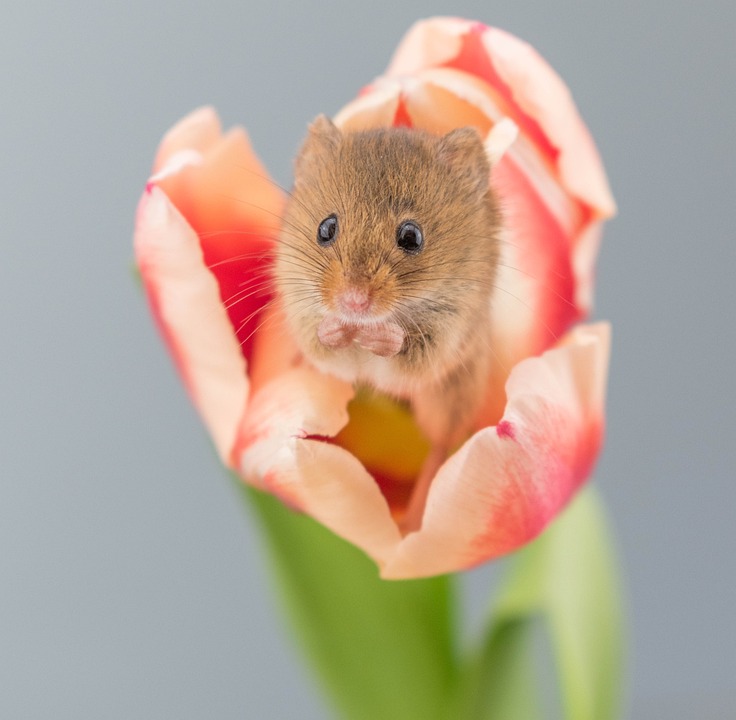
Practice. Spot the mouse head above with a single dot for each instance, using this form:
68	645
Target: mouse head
388	223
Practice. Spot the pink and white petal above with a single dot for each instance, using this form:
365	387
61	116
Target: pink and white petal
506	483
428	43
541	93
185	300
197	132
534	300
283	449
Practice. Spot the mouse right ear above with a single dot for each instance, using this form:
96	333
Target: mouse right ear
322	141
463	153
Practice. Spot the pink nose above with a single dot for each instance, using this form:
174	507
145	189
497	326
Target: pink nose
354	300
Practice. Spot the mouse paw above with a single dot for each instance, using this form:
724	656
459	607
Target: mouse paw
384	340
332	333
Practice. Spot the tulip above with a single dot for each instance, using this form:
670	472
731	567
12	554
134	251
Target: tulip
204	240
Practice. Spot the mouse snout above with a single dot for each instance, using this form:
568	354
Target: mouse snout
354	300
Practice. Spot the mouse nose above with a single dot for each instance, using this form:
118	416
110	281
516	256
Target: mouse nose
354	300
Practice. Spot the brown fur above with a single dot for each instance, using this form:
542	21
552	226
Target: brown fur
373	181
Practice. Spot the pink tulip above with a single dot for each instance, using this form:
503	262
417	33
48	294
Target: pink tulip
204	242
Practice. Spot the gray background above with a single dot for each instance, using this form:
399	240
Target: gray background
133	584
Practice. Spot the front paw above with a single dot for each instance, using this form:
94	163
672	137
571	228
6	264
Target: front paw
333	333
384	340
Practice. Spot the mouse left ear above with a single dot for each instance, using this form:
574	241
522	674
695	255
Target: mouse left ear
322	140
323	130
462	150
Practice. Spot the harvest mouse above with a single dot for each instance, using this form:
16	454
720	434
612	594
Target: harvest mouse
386	264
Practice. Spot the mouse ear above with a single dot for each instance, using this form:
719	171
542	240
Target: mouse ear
462	150
323	140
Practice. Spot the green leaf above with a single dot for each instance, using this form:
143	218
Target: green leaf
383	649
568	579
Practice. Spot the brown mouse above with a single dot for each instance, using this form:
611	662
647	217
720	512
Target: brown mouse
385	266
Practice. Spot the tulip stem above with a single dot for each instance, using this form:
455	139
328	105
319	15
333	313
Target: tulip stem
381	649
389	649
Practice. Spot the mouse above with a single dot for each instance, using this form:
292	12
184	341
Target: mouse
385	268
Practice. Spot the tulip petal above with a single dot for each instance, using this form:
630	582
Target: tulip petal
541	94
222	189
185	299
542	99
534	302
282	448
506	483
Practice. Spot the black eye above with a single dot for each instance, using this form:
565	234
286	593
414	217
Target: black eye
409	237
327	231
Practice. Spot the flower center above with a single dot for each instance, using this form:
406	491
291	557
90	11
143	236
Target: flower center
382	434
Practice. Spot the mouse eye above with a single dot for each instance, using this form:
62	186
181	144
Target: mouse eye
409	237
327	231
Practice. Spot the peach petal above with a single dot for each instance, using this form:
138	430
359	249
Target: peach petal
227	197
240	188
227	190
186	302
507	482
198	132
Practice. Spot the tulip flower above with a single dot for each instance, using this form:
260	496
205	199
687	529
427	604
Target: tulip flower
205	238
204	241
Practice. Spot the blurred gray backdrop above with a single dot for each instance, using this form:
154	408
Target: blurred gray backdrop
133	583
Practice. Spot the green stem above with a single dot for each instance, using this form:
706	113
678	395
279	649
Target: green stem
383	650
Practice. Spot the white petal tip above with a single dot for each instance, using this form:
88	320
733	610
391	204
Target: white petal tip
177	162
500	139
